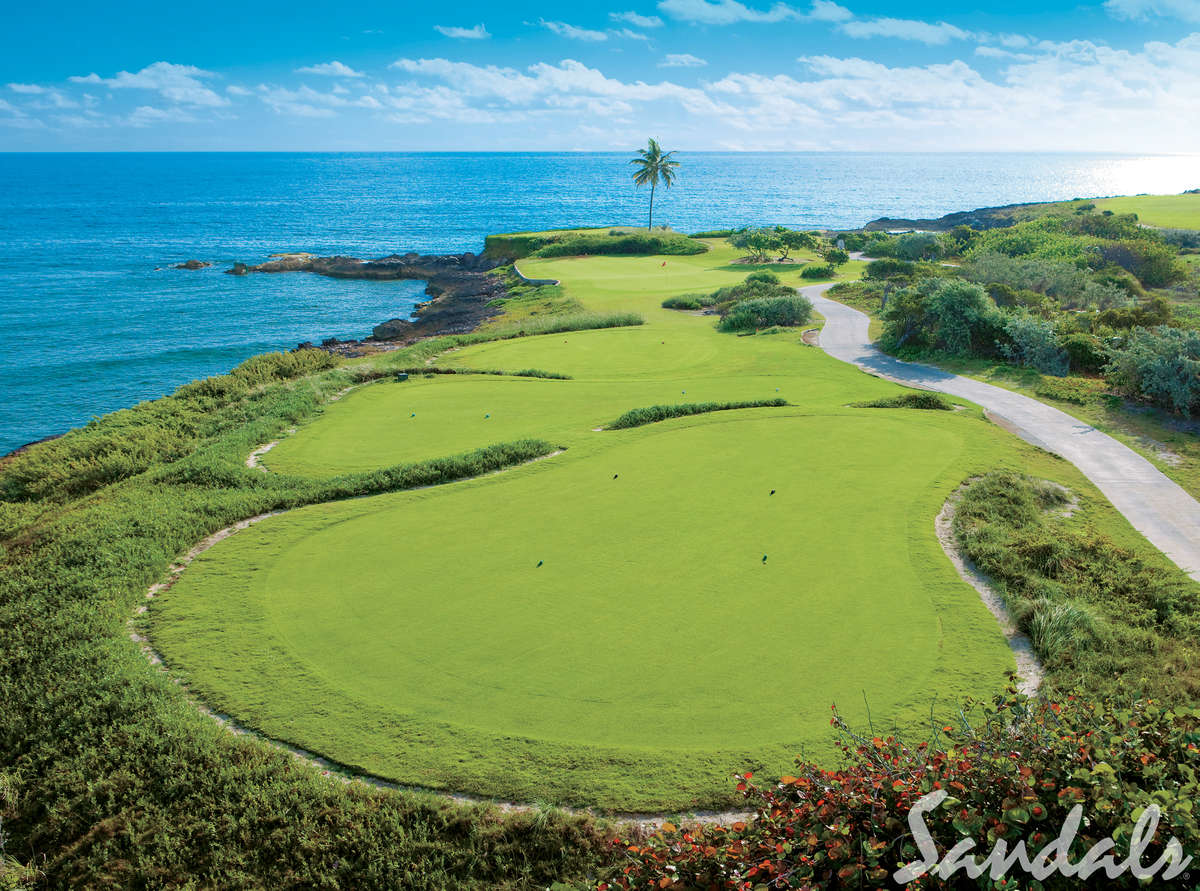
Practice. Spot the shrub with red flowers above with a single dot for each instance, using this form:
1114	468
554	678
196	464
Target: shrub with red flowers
1013	769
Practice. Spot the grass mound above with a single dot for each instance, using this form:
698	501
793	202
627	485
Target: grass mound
655	413
922	400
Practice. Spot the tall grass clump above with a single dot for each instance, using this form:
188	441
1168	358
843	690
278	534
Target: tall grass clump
655	413
1104	618
922	399
623	243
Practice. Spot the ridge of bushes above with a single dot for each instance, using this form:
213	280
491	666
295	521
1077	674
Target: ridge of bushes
652	414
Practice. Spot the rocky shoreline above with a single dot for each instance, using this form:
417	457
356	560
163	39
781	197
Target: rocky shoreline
462	290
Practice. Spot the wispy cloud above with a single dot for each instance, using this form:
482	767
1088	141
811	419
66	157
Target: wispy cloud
330	69
636	19
573	32
476	32
681	60
728	12
906	29
1184	10
178	83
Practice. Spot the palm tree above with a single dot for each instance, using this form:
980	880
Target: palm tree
654	166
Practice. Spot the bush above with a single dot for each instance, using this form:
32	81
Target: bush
923	400
686	301
947	315
817	270
1159	365
623	243
1152	262
757	285
1085	353
1033	342
653	414
751	315
1071	286
887	268
1012	769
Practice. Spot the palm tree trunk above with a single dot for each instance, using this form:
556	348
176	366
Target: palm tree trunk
650	222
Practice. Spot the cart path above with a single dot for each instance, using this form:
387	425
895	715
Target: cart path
1153	504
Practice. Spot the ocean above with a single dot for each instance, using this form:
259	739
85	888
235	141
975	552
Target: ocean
92	317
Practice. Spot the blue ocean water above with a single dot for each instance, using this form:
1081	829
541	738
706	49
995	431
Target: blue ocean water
93	319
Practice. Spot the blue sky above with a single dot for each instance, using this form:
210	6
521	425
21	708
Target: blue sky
1115	75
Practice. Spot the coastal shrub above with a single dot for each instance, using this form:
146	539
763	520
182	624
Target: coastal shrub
749	315
653	414
1153	262
668	243
888	268
947	315
835	257
1011	769
1033	342
1147	314
714	233
1086	354
1103	618
757	285
1158	365
689	301
920	399
817	270
1070	285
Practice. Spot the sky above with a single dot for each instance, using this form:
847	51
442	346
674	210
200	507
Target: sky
529	75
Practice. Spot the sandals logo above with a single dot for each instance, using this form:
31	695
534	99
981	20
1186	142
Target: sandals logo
1053	858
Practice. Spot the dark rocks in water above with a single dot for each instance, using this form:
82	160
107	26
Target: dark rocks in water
981	218
460	287
192	264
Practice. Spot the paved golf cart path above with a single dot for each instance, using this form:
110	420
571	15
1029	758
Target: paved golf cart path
1157	507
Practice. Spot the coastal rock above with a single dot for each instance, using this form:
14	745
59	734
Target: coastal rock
463	289
192	264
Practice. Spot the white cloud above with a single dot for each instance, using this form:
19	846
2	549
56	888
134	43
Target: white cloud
723	12
235	90
572	32
330	69
905	29
681	60
146	115
1185	10
27	89
629	34
637	20
828	11
178	83
994	52
727	12
476	32
303	102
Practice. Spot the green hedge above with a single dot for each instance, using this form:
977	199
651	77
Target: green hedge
753	315
920	400
632	243
655	413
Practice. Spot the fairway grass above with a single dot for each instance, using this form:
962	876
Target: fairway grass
1162	211
601	627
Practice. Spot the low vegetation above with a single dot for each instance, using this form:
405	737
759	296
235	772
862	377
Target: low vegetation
1104	619
655	413
588	242
768	312
918	399
1012	769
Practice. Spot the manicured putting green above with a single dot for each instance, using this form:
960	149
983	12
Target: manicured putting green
1163	211
640	649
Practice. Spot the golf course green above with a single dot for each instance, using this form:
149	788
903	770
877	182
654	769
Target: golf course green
1163	211
627	622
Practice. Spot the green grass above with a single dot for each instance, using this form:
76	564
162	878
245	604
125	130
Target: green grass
415	637
1163	211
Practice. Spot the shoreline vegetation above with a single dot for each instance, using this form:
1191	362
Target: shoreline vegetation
108	775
